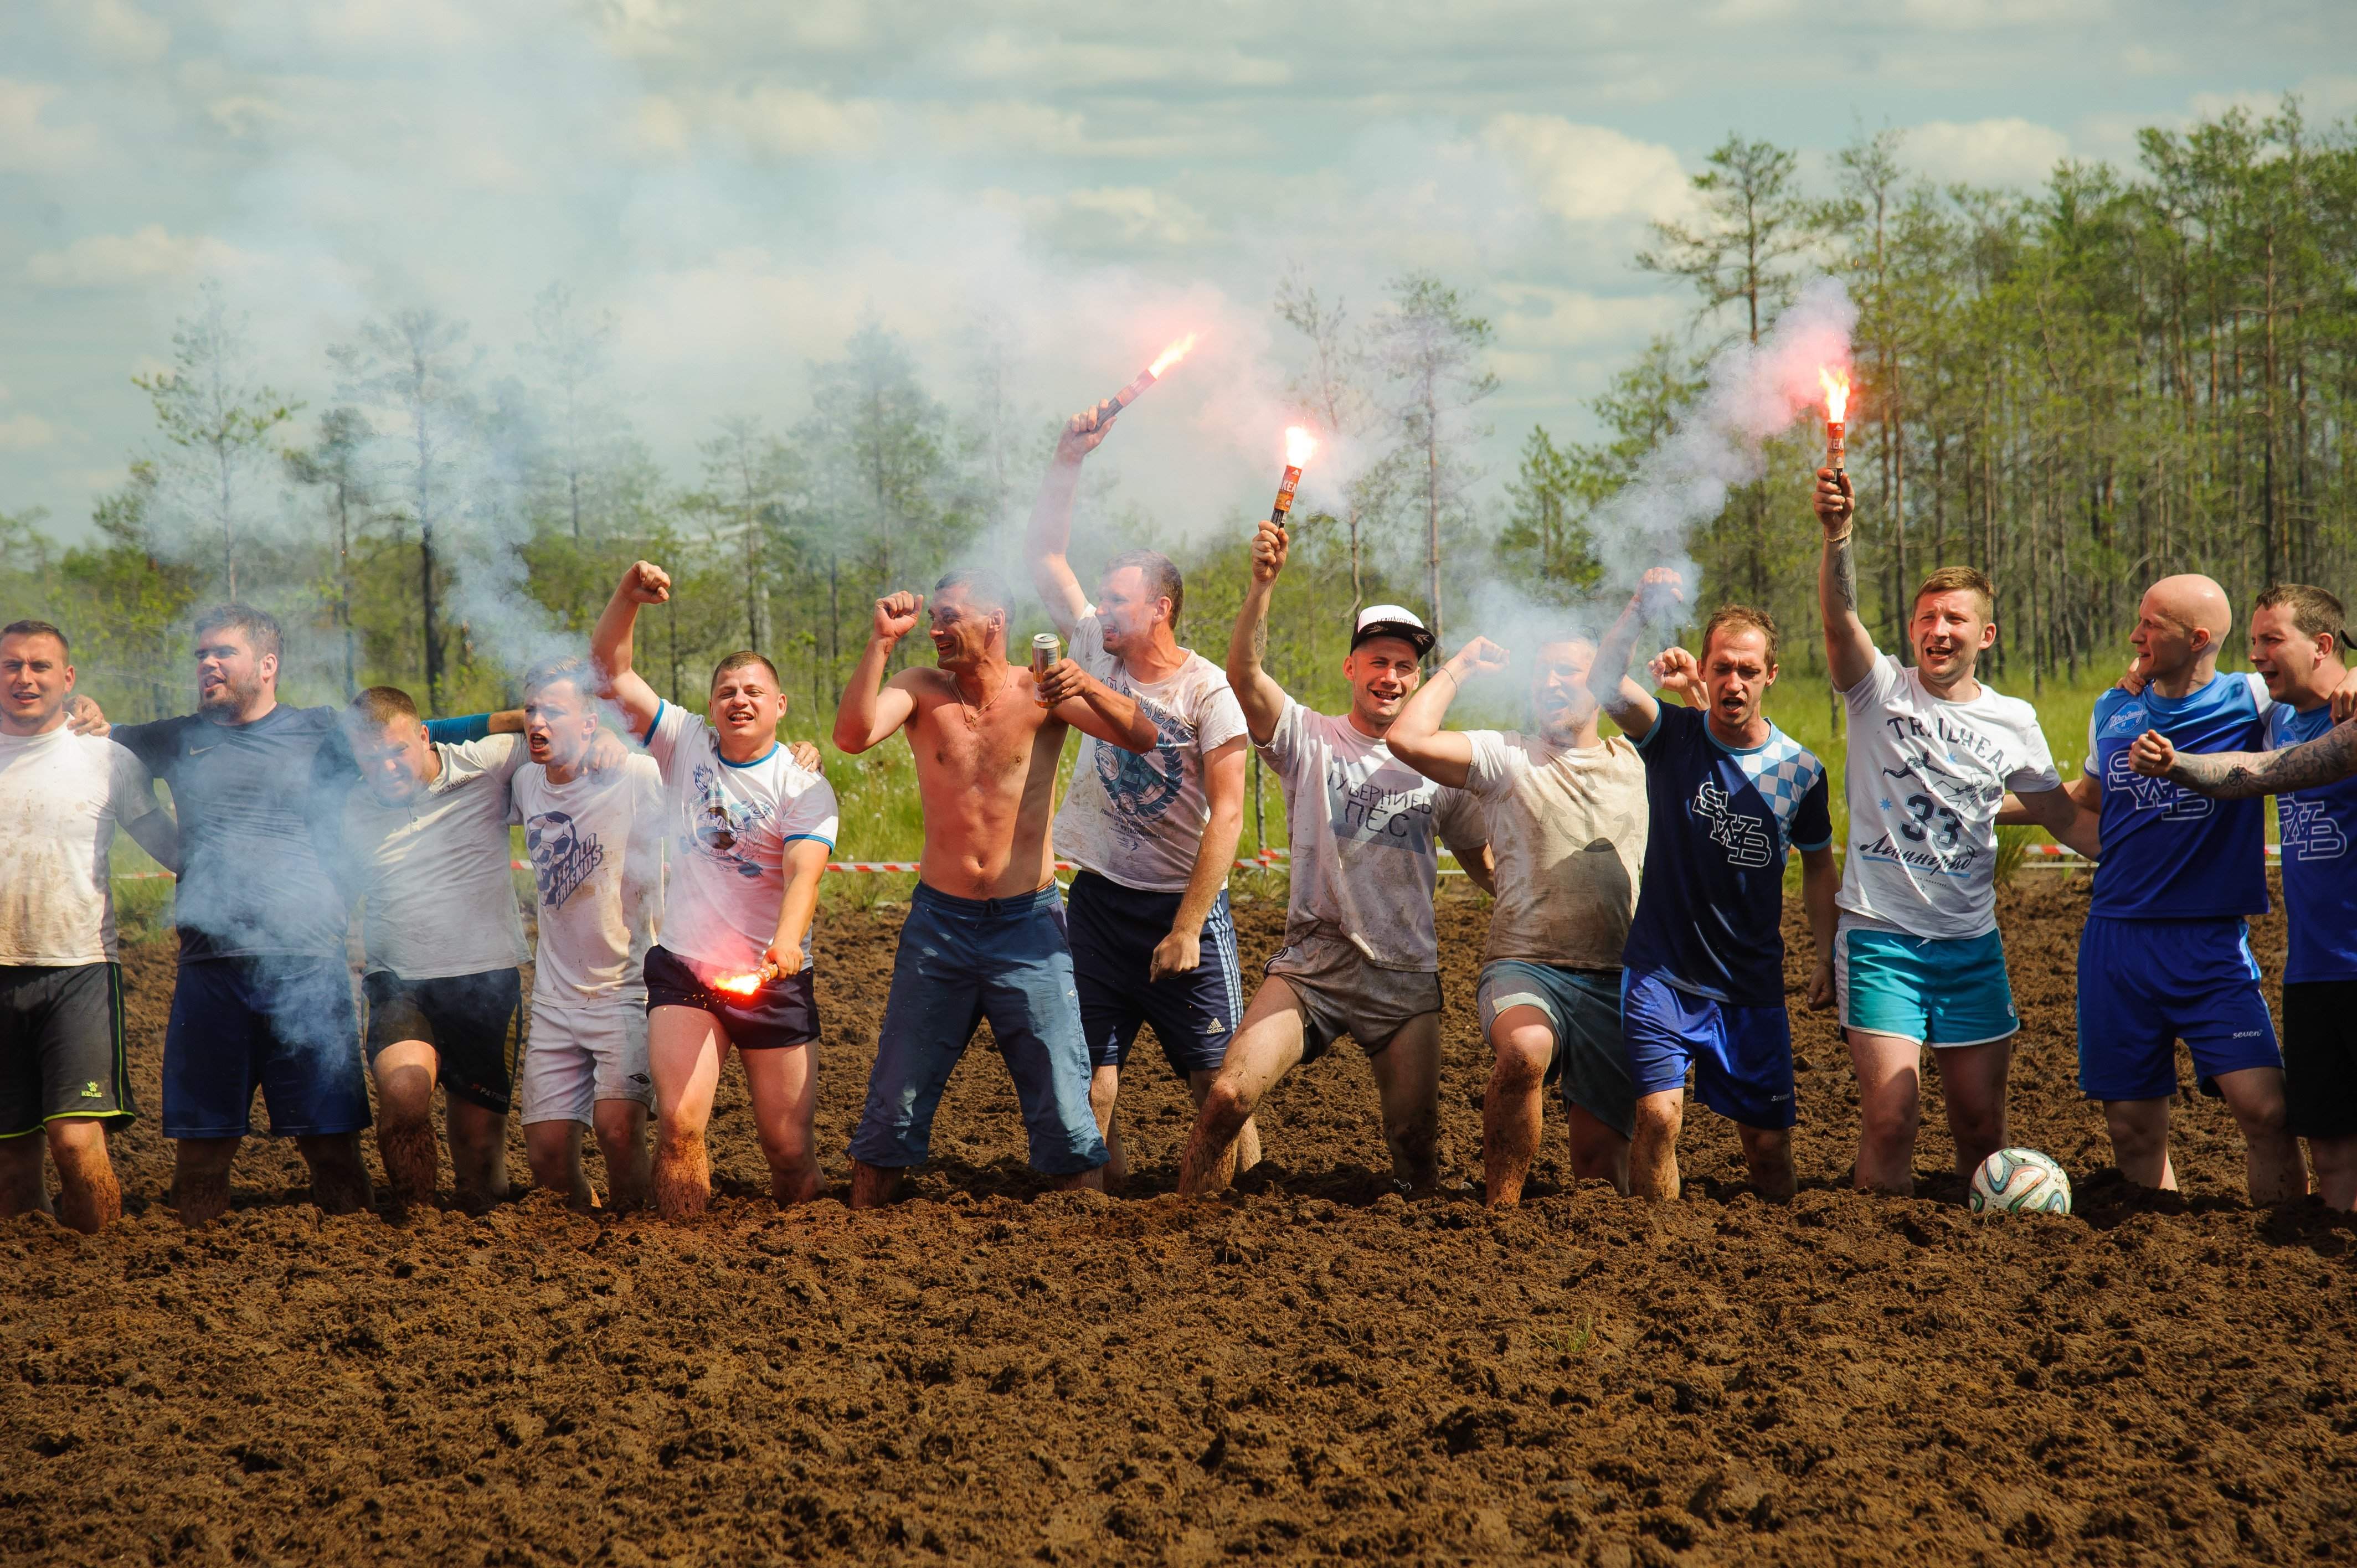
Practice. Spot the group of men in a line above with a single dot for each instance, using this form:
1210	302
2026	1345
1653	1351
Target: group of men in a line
1636	937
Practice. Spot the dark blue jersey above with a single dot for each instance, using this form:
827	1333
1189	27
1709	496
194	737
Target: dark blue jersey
261	814
2319	892
1710	913
2170	854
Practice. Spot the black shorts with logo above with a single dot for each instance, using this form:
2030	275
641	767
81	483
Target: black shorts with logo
61	1045
2319	1054
470	1020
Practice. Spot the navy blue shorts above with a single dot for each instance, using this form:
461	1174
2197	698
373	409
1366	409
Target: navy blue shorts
1741	1057
1114	930
284	1024
2146	984
785	1012
962	961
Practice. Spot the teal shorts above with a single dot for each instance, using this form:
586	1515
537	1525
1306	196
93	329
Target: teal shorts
1934	991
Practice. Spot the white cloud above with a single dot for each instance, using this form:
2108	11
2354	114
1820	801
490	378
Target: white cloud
114	29
792	121
1985	152
25	433
119	261
29	145
2320	98
1586	174
1539	316
1065	64
1142	214
1981	16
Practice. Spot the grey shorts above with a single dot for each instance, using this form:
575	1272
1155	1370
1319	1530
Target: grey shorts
1342	993
1583	1007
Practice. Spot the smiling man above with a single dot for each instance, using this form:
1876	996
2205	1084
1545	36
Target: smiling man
1935	756
750	831
1360	955
1155	835
985	937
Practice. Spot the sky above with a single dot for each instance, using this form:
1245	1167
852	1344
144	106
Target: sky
741	184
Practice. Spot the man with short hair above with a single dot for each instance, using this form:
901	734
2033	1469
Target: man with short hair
1934	755
1565	810
2166	953
63	1082
1730	797
264	997
1360	955
594	836
1154	835
985	937
750	831
2297	636
426	839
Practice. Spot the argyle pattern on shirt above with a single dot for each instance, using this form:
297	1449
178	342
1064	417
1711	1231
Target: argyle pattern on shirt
1783	772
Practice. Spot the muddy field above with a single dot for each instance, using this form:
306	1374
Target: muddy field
1313	1369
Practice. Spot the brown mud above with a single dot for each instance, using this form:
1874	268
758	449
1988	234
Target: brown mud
1310	1370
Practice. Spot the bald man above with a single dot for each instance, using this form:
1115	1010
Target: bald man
2166	954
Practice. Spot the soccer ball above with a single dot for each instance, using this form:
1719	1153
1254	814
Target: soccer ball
2021	1181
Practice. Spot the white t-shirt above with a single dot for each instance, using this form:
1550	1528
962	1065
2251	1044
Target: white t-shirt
61	796
1135	819
729	824
1361	825
435	868
1925	780
1567	832
595	845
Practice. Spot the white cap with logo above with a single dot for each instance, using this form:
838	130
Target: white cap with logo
1393	620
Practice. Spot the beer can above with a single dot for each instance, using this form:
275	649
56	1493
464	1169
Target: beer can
1043	658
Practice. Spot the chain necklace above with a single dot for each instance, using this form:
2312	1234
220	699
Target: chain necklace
973	713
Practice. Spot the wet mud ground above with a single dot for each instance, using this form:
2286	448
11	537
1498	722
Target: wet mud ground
1311	1371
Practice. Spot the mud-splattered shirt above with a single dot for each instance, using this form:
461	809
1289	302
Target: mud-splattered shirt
62	797
1366	830
1140	820
729	824
595	843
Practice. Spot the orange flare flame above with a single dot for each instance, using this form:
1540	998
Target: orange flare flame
738	984
1172	355
1299	447
1836	386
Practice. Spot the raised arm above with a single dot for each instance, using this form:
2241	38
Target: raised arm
1849	647
1051	534
1630	705
871	709
1415	738
644	584
1093	708
1262	699
2239	775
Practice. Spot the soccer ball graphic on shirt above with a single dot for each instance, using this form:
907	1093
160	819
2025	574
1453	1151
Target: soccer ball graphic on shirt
2021	1181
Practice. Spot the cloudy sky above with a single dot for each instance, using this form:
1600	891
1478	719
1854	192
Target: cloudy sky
741	182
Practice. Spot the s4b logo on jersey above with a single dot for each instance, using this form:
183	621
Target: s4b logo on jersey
2153	794
1744	839
2308	832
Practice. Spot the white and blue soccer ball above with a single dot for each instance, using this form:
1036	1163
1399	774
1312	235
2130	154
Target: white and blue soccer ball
2021	1181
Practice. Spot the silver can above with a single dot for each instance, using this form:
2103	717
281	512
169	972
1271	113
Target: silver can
1044	654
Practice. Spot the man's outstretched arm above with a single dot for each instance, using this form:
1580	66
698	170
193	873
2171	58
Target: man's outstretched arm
1257	692
1415	738
2073	813
871	711
609	645
1849	647
1630	705
1051	534
2240	775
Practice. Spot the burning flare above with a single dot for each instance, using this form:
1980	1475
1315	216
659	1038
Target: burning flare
1836	386
1172	355
744	985
1146	377
1299	448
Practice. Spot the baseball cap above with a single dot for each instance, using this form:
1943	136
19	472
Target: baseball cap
1393	620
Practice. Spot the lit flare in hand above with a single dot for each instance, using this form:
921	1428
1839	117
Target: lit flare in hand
1299	448
745	984
1836	386
1146	377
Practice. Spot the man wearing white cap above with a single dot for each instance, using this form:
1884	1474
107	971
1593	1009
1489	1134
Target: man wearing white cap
1361	957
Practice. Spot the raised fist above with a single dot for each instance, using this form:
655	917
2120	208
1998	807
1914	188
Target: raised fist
1084	432
647	584
896	615
1659	591
1675	670
1480	657
1835	503
1268	548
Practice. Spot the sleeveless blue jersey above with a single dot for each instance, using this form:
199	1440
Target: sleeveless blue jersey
2320	893
2170	854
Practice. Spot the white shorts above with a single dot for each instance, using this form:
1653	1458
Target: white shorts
583	1052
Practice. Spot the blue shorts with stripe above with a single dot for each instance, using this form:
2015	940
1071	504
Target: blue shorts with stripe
1741	1058
1114	930
2146	984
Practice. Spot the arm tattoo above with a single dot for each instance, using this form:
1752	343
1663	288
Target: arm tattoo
1260	640
2240	775
1846	575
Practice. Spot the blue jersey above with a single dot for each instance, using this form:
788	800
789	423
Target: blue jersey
2170	854
1710	915
2317	827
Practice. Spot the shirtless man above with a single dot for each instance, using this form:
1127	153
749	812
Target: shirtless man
985	936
